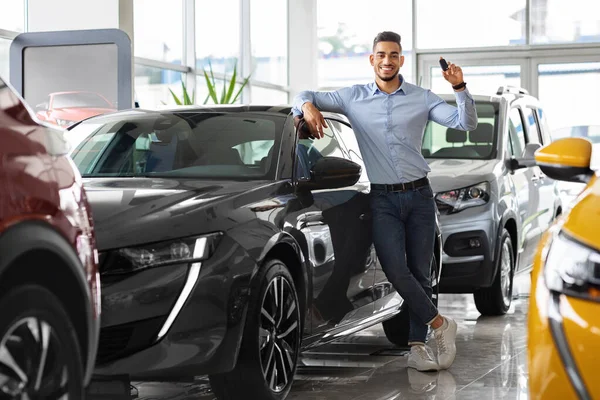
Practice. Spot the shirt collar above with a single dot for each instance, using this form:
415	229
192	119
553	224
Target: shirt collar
375	89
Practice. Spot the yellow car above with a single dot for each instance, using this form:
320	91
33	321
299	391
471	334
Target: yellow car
564	308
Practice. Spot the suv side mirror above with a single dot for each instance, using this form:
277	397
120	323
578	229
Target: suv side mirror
332	173
530	150
566	159
528	159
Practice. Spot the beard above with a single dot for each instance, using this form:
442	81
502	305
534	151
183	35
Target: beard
387	78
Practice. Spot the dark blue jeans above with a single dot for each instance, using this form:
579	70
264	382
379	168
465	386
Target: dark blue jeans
403	234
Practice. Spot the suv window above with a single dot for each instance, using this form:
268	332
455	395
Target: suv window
533	131
442	142
516	133
544	125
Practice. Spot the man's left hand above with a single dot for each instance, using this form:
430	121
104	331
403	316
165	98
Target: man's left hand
453	74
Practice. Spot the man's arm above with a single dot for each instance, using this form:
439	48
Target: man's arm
309	105
324	101
463	117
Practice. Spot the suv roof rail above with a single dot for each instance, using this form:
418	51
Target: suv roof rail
511	89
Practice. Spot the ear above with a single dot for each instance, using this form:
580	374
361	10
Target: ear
372	59
401	61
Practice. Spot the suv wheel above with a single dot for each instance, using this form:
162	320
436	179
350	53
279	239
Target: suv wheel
496	299
39	353
396	328
269	353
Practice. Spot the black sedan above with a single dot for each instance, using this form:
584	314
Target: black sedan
228	244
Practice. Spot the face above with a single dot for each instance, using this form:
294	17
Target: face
386	60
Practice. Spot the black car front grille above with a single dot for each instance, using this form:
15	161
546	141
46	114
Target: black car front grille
121	340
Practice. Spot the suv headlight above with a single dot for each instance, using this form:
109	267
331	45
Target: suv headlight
572	268
457	200
186	250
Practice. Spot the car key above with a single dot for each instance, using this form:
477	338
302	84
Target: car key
443	64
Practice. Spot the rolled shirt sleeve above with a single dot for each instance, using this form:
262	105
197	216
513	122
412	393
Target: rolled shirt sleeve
325	101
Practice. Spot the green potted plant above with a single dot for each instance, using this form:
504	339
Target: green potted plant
228	92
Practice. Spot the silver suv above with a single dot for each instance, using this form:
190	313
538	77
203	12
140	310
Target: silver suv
494	202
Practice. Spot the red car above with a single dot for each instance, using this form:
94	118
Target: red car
49	282
66	108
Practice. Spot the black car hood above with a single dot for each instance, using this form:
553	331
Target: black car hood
132	211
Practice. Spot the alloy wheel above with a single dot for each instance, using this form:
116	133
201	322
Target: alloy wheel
279	333
505	271
31	363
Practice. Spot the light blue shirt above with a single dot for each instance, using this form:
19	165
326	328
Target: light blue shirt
389	128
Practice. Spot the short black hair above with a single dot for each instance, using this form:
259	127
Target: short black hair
387	36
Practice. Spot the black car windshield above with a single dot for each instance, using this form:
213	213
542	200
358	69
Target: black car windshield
479	144
208	145
79	100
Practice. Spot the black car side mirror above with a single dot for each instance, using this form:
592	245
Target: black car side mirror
332	173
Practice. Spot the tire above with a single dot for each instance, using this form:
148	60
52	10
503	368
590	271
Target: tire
259	352
396	328
496	299
31	316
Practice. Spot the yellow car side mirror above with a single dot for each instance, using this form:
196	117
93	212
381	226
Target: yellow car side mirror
566	159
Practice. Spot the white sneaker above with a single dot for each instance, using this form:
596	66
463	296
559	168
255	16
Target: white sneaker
445	338
421	358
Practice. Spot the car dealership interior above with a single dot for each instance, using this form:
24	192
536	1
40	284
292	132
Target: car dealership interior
271	199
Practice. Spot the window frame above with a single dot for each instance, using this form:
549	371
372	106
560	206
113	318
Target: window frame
191	72
341	146
510	139
538	134
350	150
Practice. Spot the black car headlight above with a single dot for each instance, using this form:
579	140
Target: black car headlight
572	268
457	200
185	250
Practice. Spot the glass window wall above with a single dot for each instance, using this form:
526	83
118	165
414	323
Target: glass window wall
152	86
12	15
346	36
560	21
470	23
158	30
268	24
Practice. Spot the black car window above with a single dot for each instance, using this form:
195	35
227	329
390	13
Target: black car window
348	138
220	145
308	151
517	133
533	132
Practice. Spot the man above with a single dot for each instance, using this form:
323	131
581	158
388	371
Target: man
389	118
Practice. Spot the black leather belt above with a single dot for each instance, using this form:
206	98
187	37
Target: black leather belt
401	187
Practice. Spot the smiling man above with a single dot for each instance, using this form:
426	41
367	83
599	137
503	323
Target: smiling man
389	117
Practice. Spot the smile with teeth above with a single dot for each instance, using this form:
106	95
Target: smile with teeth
387	69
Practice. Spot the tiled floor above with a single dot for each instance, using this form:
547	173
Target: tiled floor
490	364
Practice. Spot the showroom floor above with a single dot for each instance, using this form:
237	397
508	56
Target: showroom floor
490	364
